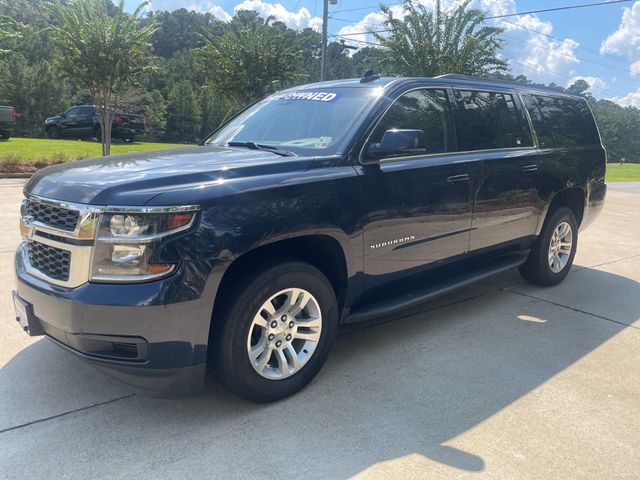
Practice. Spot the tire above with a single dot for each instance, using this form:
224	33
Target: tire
97	133
53	133
539	268
238	332
130	138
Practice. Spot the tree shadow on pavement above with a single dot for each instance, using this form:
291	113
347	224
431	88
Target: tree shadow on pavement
401	388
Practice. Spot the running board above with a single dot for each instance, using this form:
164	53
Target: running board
433	288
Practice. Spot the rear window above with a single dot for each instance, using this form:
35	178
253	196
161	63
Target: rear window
561	122
488	120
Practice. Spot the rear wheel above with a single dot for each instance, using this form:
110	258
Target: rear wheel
276	331
552	255
98	134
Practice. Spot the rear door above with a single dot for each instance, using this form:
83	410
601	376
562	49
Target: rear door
417	206
494	134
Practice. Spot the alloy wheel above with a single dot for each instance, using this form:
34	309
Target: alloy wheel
560	247
284	333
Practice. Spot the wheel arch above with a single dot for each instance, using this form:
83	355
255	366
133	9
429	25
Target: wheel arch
322	250
573	198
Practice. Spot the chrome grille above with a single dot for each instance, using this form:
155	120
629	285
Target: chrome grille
51	261
52	215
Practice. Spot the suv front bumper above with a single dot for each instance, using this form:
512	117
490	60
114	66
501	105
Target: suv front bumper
128	331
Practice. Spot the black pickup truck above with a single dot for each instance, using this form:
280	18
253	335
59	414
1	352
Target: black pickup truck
7	121
83	122
314	208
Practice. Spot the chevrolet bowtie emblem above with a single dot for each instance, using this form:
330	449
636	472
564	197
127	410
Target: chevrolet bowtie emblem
26	227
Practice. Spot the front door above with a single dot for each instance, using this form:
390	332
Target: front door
417	206
70	123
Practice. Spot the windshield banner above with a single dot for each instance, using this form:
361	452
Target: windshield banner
306	95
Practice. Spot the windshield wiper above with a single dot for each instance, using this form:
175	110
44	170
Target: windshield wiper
260	146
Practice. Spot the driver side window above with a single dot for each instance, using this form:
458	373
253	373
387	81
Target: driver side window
426	110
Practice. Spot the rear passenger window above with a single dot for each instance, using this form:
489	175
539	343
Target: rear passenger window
487	120
425	110
540	125
561	122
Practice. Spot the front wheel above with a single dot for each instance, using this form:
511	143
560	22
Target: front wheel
53	133
276	331
552	255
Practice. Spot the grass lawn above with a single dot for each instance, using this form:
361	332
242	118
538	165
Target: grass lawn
629	172
30	154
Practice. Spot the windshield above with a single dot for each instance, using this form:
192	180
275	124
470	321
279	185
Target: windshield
306	122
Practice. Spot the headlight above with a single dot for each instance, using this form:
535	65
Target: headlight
126	240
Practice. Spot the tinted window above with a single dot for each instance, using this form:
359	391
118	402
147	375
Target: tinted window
562	122
487	120
425	110
543	128
72	112
86	111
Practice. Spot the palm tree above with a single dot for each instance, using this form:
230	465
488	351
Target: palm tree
101	48
424	42
252	57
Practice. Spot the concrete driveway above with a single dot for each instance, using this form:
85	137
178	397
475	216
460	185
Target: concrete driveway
503	380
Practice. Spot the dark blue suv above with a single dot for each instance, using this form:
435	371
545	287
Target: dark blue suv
313	208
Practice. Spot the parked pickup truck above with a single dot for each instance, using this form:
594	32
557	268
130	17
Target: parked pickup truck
7	121
314	208
84	122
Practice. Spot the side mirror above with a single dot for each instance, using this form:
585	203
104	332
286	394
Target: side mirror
398	142
62	115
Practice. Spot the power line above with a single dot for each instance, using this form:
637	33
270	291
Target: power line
568	55
366	8
529	65
555	9
584	47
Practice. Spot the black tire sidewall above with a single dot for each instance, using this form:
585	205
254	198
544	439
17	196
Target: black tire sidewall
232	363
537	269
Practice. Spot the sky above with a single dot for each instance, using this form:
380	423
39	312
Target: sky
600	44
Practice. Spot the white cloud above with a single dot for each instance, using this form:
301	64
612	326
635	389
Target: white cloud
219	12
596	84
539	57
632	99
296	20
626	39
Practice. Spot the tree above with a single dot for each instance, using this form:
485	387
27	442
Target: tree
100	49
251	57
9	28
424	42
183	121
579	87
156	114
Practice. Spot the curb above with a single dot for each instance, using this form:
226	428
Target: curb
15	175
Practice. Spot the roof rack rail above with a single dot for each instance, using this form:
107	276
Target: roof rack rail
458	75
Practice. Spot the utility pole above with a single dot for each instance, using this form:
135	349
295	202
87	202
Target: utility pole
325	22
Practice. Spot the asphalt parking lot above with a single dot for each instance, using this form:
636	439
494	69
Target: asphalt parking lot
502	380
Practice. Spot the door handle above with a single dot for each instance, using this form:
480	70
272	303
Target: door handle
458	178
530	168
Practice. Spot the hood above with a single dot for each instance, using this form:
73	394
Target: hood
134	179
